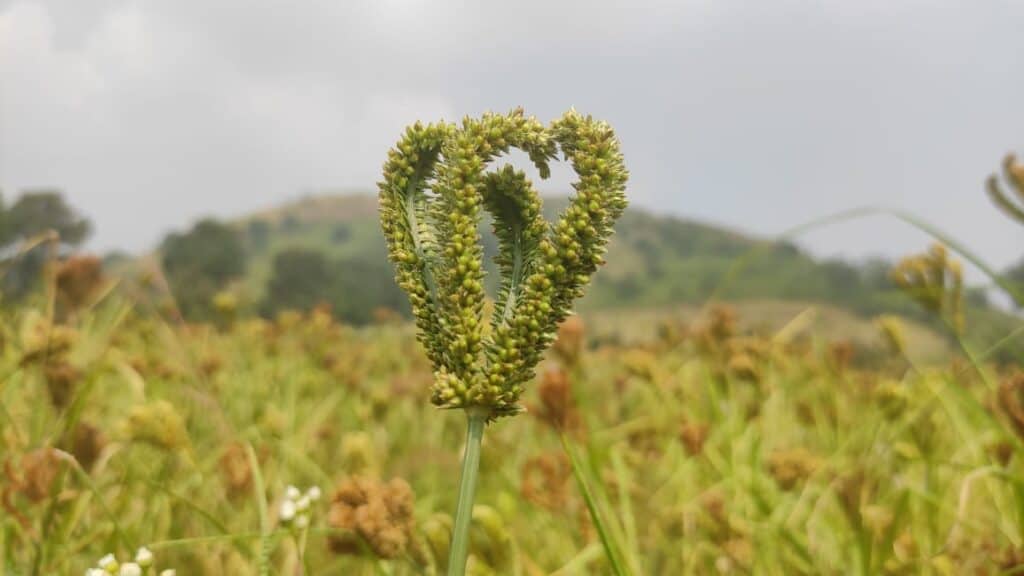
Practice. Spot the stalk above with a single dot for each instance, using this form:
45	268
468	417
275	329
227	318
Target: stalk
477	417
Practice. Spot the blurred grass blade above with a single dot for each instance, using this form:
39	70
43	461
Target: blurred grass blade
611	548
261	504
85	478
999	345
625	505
578	563
959	248
199	540
206	515
863	212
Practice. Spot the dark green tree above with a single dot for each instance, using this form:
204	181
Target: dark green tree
290	224
200	263
257	234
300	280
35	214
40	211
353	287
842	280
341	233
361	286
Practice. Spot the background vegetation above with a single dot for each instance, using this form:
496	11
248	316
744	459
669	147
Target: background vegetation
831	420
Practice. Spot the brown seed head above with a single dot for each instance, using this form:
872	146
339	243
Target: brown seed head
87	444
840	355
1011	401
38	473
544	480
791	467
79	279
693	435
235	472
61	377
569	343
557	405
376	514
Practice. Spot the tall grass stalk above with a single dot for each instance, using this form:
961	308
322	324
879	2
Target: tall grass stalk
259	493
476	420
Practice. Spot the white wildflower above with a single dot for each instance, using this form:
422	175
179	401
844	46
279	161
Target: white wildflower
130	569
108	563
287	512
143	557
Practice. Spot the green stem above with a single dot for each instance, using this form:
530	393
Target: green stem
467	490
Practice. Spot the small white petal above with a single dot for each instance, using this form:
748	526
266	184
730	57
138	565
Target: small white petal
108	563
301	521
313	493
95	572
292	493
302	504
130	569
287	511
143	557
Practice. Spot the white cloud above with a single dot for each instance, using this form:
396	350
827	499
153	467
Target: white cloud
32	69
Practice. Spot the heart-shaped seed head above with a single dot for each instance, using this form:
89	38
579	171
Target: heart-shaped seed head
435	185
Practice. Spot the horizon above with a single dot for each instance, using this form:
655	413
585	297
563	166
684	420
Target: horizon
354	192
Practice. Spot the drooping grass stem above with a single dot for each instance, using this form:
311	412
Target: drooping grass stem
477	417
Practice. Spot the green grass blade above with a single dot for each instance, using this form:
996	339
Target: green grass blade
611	548
259	492
863	212
84	477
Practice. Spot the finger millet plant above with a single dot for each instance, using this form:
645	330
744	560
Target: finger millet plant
431	197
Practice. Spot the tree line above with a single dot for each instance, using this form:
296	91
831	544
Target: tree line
680	263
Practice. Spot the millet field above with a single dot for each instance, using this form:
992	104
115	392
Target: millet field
133	442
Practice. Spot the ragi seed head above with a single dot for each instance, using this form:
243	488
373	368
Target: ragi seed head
434	189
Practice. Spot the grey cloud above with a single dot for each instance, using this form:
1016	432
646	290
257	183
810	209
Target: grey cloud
758	115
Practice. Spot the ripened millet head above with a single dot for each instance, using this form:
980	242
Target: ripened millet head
435	185
1011	198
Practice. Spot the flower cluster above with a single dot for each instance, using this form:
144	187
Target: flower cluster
79	279
295	508
434	188
141	564
1013	173
376	514
157	423
935	281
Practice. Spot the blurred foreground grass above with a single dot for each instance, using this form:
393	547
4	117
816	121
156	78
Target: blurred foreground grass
710	446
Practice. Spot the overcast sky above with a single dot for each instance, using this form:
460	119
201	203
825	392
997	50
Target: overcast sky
759	115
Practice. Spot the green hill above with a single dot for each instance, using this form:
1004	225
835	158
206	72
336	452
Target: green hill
653	260
329	249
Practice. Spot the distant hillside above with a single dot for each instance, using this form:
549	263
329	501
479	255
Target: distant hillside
329	249
652	260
